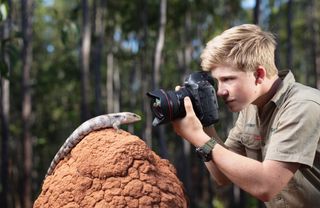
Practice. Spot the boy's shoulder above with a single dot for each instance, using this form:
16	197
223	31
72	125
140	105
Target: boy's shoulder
300	92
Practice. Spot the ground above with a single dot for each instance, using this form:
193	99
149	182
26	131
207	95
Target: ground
110	168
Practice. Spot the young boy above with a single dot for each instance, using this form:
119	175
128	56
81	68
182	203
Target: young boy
273	150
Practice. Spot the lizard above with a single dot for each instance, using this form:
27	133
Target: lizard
113	120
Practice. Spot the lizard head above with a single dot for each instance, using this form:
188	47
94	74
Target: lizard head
128	117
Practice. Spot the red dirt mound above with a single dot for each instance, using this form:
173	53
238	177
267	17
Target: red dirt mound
111	168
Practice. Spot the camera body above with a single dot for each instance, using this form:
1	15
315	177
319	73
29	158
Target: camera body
167	106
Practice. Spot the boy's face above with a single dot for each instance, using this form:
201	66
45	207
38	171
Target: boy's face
238	89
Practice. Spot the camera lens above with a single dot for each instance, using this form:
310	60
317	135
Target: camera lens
156	107
166	106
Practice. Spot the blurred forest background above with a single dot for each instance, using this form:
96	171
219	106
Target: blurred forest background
63	62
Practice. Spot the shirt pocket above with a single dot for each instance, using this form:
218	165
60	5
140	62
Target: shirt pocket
252	144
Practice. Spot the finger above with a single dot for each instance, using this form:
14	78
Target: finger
188	105
177	88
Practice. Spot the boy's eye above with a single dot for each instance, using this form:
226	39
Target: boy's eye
227	79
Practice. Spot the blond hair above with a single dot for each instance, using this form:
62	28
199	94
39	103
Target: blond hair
245	47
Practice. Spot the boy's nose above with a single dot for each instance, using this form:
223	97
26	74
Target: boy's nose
222	91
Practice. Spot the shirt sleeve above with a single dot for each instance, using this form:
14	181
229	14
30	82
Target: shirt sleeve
296	135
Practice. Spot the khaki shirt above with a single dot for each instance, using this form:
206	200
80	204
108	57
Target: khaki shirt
287	130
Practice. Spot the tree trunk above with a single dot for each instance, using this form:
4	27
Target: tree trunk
117	88
256	13
109	83
26	14
160	131
289	35
315	41
135	80
5	109
145	65
85	59
113	85
98	28
5	137
275	29
160	43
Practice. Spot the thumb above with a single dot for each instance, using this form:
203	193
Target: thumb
188	105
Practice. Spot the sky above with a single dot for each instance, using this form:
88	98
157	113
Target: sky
248	4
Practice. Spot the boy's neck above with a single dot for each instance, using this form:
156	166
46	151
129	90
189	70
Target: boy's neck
269	92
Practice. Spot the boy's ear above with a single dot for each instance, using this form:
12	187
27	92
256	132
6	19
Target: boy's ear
260	74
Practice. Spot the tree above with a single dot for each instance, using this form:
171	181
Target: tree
109	84
26	15
256	13
156	69
315	41
289	35
99	15
85	59
144	65
5	103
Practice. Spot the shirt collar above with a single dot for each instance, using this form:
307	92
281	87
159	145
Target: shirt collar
287	82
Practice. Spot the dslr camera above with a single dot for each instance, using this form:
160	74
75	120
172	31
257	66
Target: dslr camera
169	105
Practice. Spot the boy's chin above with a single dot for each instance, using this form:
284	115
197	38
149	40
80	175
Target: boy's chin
235	109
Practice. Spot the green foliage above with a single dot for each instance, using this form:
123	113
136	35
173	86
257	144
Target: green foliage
10	52
70	33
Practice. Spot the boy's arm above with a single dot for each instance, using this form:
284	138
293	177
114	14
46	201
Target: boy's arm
261	179
217	175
